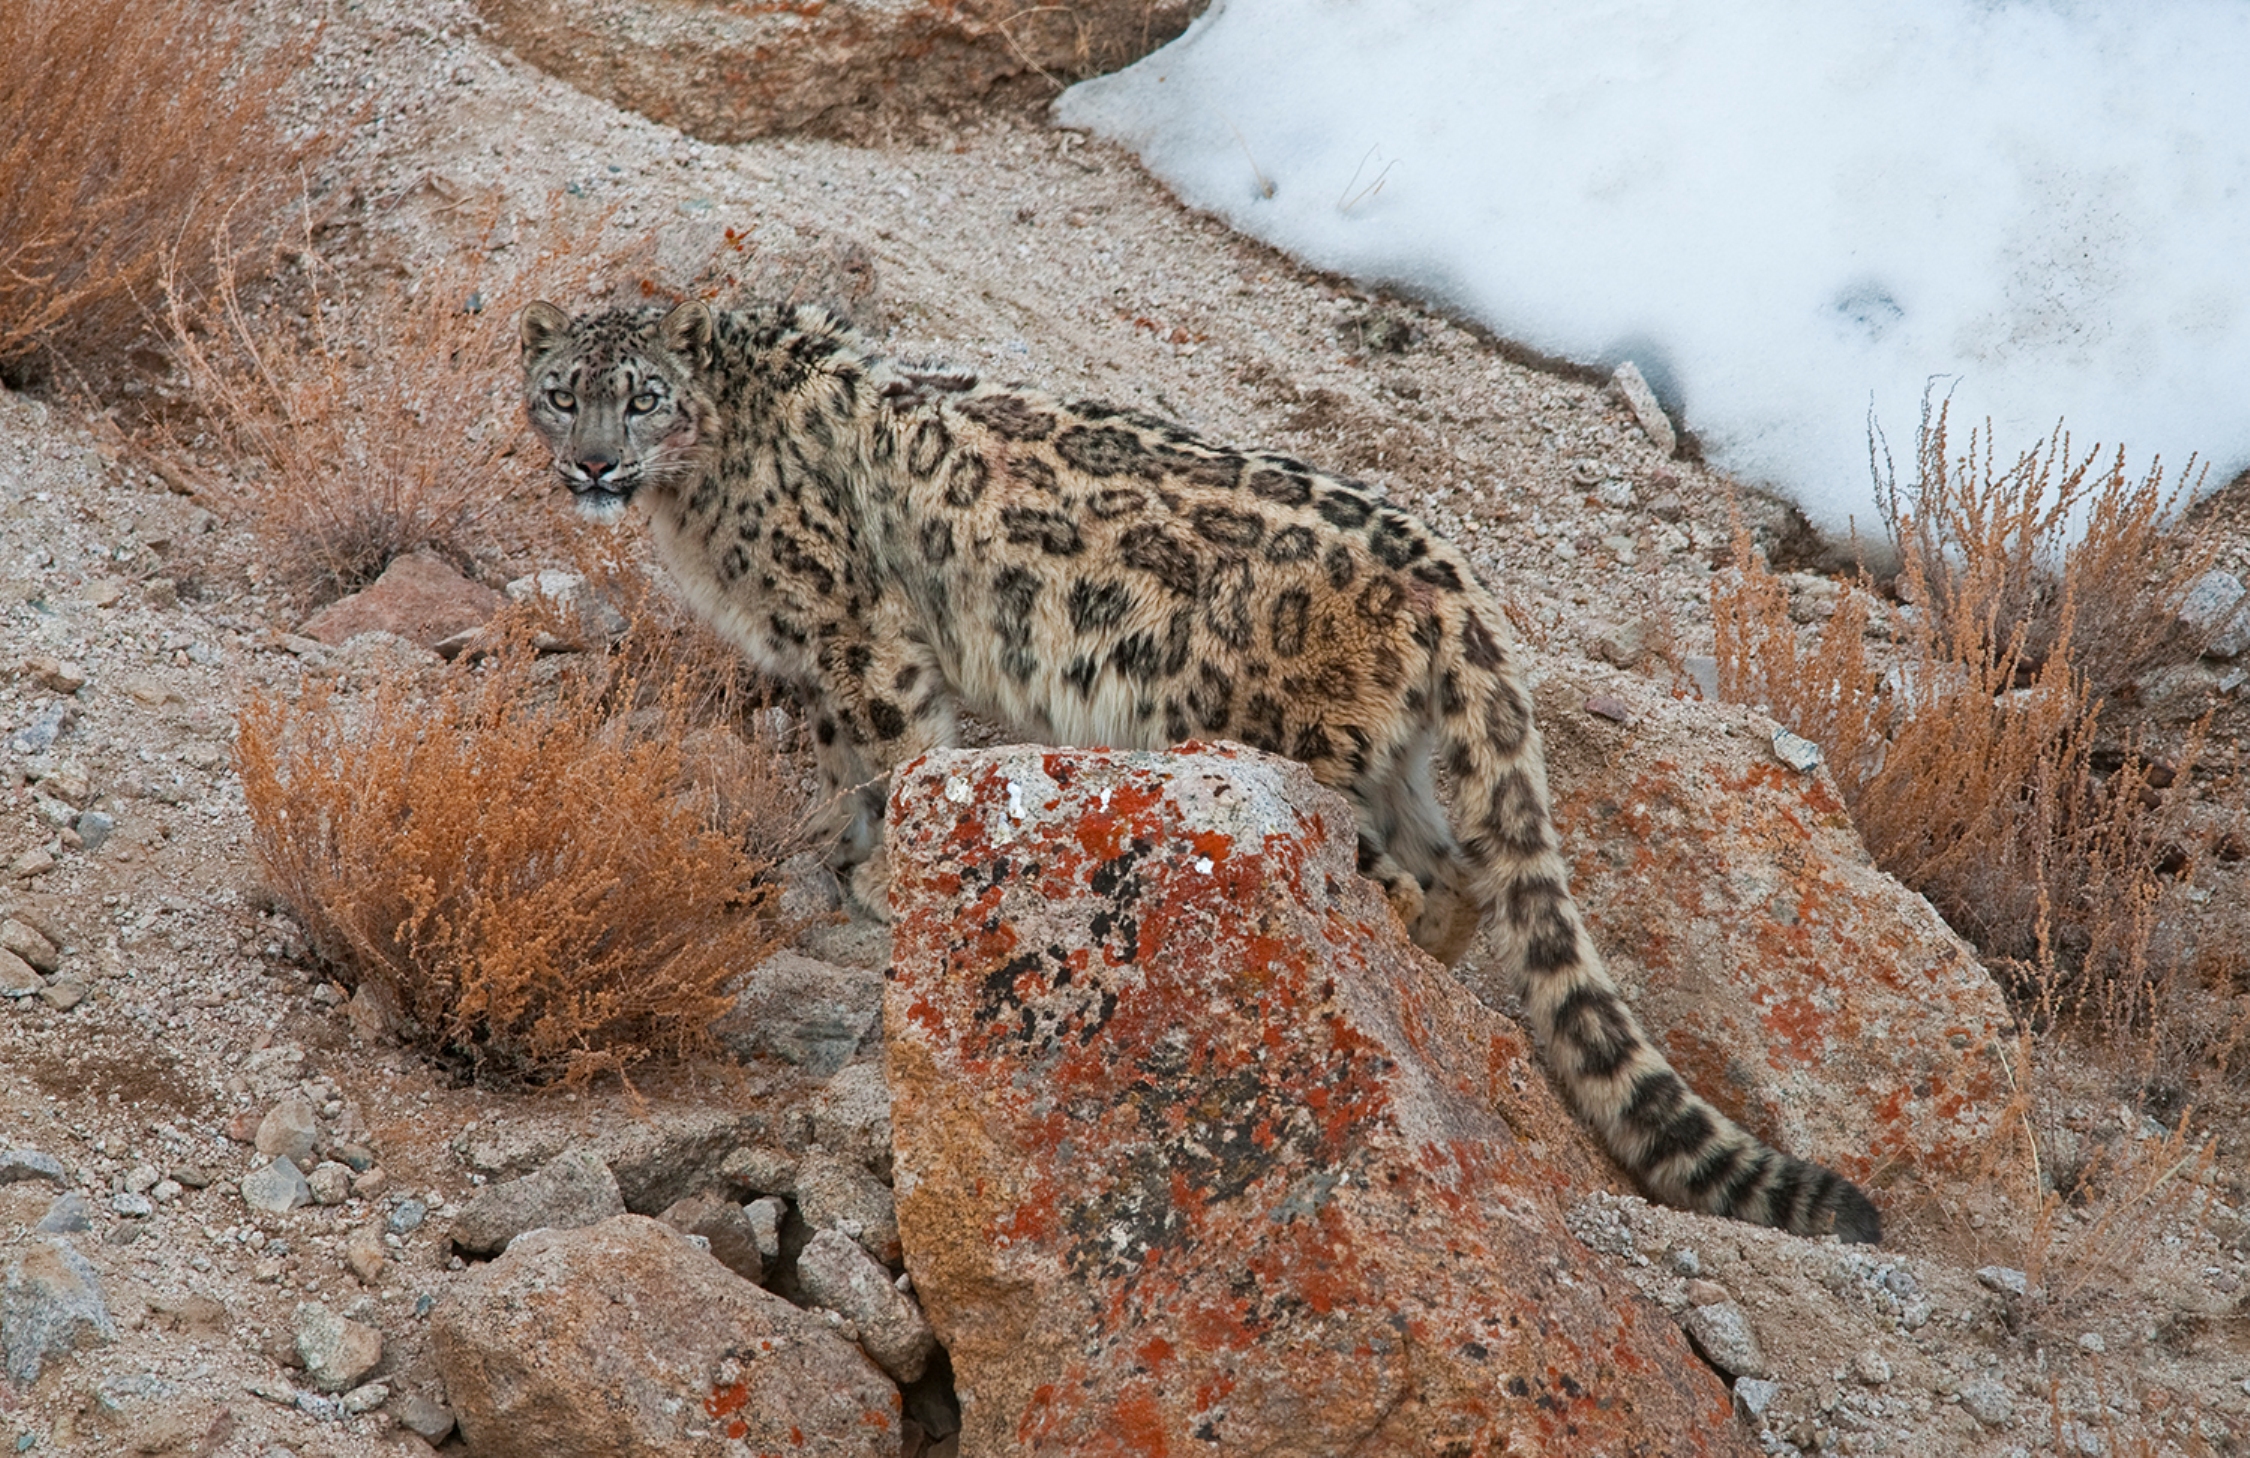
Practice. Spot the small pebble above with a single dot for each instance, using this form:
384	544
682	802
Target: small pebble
407	1216
1754	1395
132	1206
2005	1279
1871	1368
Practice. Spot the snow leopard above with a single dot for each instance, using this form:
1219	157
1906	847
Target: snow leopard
902	543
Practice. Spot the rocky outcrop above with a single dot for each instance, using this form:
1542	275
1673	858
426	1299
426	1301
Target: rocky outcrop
1801	989
626	1338
728	73
1195	1152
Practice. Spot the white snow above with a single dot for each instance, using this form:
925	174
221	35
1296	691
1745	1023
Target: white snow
1784	211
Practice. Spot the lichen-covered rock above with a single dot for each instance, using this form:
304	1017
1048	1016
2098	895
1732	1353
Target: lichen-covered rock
1196	1153
1817	1001
627	1340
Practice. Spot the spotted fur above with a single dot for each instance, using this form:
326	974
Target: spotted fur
902	544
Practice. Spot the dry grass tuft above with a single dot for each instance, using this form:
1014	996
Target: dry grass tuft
1970	767
360	430
1989	553
538	866
125	125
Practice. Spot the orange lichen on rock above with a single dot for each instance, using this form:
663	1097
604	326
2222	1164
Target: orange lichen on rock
1189	1161
1808	994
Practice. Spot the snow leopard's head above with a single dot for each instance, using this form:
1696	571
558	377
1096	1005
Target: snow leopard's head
614	395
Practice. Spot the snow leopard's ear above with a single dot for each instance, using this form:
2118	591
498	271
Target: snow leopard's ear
686	332
542	325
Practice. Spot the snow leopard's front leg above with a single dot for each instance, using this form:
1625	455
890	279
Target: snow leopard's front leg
883	701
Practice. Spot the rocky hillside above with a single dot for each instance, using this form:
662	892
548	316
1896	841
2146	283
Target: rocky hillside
938	1199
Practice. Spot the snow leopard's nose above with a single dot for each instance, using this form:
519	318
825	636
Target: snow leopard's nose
596	467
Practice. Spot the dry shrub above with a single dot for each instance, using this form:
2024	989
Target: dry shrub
124	126
366	428
539	866
1991	551
1970	768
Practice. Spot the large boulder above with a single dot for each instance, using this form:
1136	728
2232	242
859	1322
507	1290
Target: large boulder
729	72
1797	986
628	1340
1194	1152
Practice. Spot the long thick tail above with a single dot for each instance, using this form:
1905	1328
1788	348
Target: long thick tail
1681	1149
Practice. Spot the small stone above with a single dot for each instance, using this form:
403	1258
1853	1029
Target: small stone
761	1171
62	996
1607	706
834	1193
1987	1400
2215	606
133	1207
30	1164
765	1216
141	1178
102	592
337	1351
2005	1279
330	1183
58	675
358	1157
17	979
69	1215
1706	1293
1754	1395
37	861
1685	1262
366	1398
2091	1341
365	1254
1871	1367
288	1131
725	1229
1796	751
69	785
837	1274
277	1189
94	828
28	943
370	1183
194	1176
426	1419
1723	1334
50	1305
1625	645
407	1216
164	1192
1632	386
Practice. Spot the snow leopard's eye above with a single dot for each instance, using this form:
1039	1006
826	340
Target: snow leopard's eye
642	403
562	399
